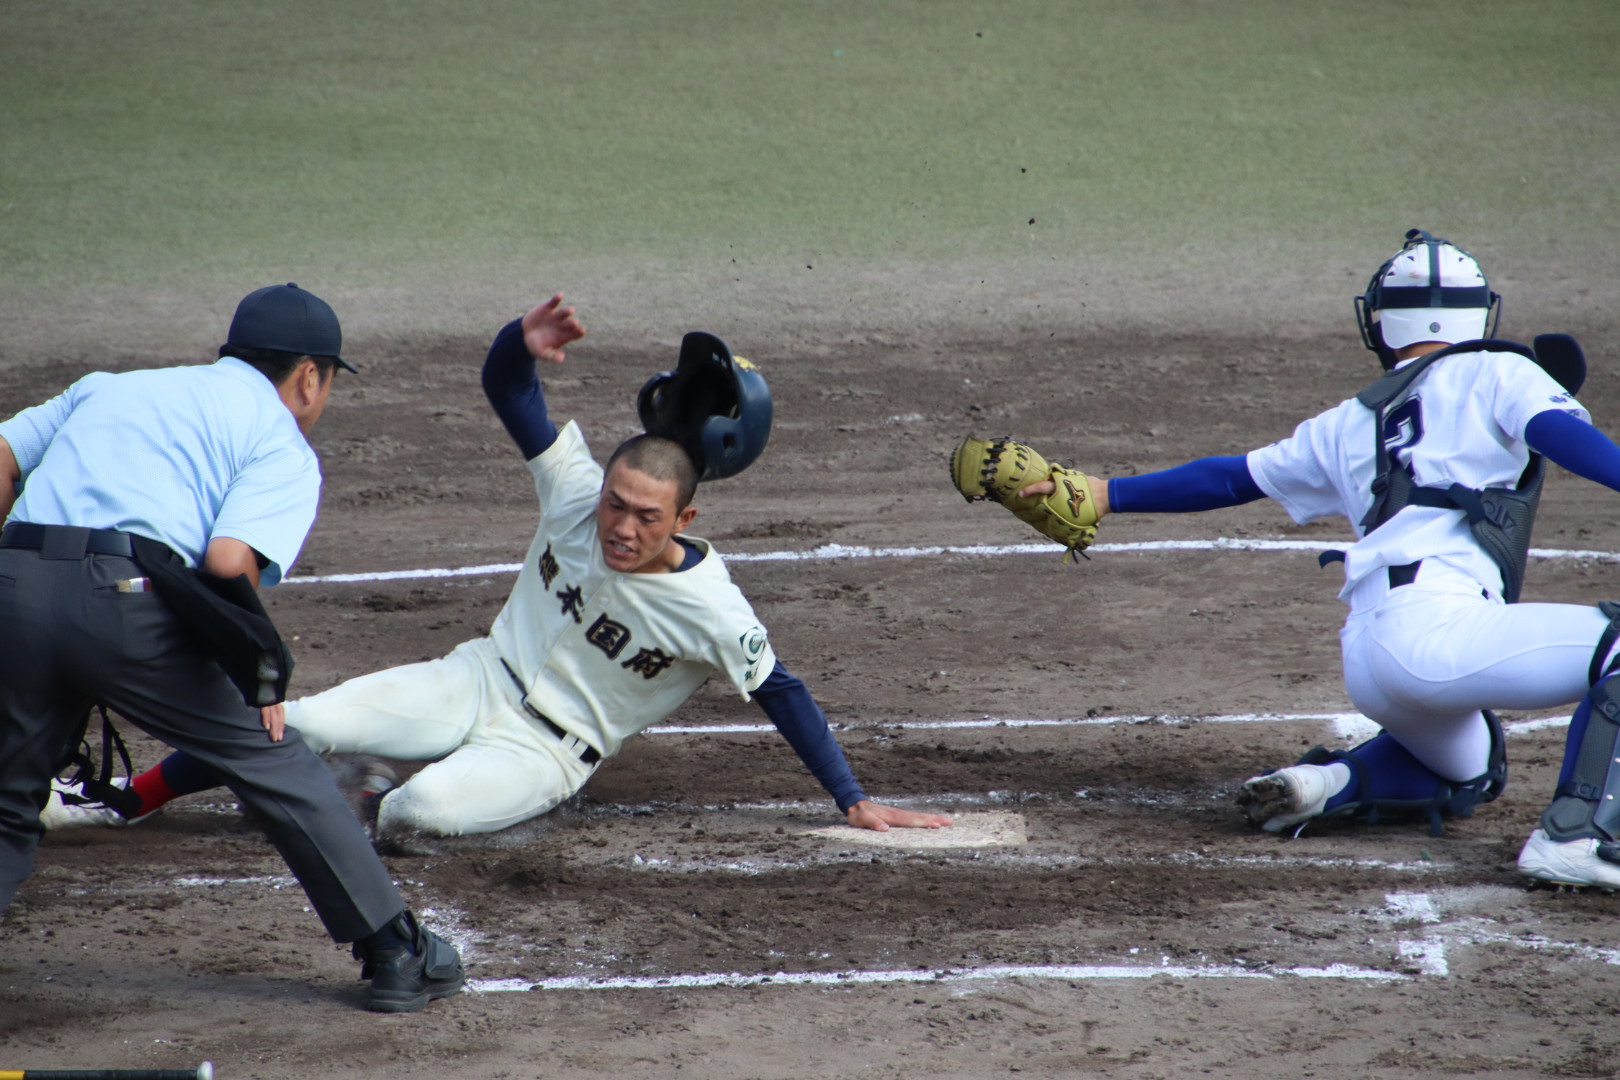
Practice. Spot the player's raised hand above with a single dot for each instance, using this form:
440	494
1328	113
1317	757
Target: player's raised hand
867	814
550	326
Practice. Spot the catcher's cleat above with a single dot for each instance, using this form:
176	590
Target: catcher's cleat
63	813
1285	798
1573	862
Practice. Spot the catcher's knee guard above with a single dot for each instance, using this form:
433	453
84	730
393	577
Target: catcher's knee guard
1424	794
1586	803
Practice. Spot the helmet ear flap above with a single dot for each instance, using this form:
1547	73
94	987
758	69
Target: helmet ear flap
732	439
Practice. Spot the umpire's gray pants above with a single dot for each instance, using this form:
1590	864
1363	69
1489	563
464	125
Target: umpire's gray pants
69	639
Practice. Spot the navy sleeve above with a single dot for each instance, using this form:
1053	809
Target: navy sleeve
1576	445
513	388
797	716
1206	484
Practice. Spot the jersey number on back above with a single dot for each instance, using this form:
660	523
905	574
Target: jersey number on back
1403	428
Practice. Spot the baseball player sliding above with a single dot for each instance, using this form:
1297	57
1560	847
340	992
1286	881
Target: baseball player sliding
616	618
1438	466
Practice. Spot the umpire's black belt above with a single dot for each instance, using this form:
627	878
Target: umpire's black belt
66	541
590	755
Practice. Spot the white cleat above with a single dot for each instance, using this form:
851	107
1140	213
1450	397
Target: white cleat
65	815
1287	797
1571	862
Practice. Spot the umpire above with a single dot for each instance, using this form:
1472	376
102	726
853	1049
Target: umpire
105	490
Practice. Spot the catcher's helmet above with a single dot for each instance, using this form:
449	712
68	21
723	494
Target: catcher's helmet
1430	290
714	404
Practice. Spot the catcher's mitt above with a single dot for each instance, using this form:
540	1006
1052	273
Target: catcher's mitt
999	469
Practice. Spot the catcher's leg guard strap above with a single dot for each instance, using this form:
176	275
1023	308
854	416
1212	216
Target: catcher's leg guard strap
1600	655
1587	801
1387	781
1487	785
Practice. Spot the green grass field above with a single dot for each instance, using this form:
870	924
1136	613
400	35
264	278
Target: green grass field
192	141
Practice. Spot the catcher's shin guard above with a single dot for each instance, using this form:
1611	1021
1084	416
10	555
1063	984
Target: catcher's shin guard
1389	783
1586	803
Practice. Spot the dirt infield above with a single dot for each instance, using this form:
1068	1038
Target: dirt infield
1107	913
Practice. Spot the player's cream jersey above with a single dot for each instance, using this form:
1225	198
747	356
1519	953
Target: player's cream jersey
1461	422
606	654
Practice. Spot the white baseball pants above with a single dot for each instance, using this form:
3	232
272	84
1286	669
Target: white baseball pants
1426	658
493	766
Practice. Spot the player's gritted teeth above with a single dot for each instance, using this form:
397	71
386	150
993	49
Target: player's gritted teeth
636	521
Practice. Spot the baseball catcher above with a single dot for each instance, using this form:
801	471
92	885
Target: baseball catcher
1437	465
1061	503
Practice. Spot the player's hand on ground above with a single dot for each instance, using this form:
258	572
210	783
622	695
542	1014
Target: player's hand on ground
867	814
550	326
274	719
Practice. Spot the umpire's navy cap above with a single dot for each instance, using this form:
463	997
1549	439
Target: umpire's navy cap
288	319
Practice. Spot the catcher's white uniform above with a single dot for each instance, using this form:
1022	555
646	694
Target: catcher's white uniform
1423	659
601	654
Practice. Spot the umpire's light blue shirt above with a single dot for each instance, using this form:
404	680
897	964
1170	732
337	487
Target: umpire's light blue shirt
181	455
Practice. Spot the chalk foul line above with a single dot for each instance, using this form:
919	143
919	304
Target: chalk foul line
826	552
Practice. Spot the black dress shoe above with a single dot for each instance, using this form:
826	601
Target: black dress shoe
406	979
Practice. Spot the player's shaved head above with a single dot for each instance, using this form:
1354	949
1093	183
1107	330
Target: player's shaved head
661	459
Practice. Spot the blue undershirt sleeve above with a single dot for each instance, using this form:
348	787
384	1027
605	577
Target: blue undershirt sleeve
800	720
1576	445
513	388
1206	484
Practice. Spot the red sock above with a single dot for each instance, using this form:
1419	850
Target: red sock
153	790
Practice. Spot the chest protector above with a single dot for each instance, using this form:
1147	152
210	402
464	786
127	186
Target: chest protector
1499	518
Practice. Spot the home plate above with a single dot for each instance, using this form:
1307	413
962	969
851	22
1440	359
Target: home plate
990	828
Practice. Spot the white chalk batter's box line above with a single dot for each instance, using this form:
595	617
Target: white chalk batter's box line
1180	860
1423	955
827	552
1349	726
836	856
1420	956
